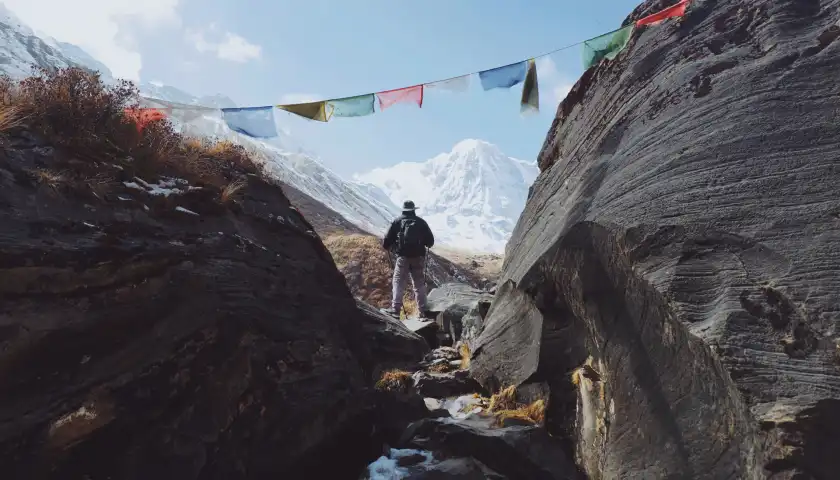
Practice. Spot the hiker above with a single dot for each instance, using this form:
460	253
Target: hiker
409	236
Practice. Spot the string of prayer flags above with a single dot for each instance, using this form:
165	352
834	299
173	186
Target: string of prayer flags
179	111
606	46
143	116
503	77
357	106
313	110
401	95
530	90
457	85
255	122
259	121
677	10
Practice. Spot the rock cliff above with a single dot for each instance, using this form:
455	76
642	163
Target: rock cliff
675	277
154	333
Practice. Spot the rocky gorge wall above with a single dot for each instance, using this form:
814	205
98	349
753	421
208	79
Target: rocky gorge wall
173	337
675	276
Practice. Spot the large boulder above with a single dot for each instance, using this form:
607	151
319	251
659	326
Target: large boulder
203	342
392	344
452	301
442	385
517	452
682	247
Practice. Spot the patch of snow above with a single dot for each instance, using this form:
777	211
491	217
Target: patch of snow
462	407
89	225
182	209
166	186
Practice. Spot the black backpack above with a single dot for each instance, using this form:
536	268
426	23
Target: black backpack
410	236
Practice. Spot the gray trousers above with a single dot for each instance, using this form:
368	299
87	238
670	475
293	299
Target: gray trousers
404	268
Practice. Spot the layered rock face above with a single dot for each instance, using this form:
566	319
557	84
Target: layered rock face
681	250
139	340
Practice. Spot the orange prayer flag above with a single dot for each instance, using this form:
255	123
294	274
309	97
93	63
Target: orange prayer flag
677	10
142	116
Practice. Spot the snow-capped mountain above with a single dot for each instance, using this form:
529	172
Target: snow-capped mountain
471	196
284	157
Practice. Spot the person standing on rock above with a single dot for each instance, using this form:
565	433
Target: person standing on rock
409	237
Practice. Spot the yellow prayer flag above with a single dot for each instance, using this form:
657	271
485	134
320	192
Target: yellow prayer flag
312	110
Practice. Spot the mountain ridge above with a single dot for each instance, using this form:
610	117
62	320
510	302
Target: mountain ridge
468	222
475	192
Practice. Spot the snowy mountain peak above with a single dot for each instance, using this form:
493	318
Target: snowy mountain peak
470	196
481	150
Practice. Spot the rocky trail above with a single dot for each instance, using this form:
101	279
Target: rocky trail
668	305
438	422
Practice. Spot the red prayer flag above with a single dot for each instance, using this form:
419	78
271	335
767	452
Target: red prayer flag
142	116
677	10
401	95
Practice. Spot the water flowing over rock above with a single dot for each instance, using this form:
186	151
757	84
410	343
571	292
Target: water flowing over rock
680	250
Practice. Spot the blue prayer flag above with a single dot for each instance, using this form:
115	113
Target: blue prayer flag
503	77
255	122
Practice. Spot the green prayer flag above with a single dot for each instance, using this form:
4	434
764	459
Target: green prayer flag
606	46
357	106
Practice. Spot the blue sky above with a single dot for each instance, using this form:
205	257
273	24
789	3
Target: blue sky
265	52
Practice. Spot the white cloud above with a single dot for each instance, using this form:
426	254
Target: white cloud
231	47
95	26
554	85
291	98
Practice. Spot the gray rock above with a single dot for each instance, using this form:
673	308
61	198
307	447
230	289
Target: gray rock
453	469
518	453
133	350
473	322
684	233
451	302
442	385
392	344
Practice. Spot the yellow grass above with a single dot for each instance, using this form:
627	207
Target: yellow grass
504	400
464	350
533	413
232	188
367	269
442	367
395	381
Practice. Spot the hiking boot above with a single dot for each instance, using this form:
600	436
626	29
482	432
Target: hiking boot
392	312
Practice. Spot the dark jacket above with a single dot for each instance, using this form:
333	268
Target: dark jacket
390	240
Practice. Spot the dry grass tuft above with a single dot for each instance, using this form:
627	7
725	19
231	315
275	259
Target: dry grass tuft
51	178
395	381
504	400
442	367
837	351
11	116
232	188
533	413
367	269
100	184
74	110
464	350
